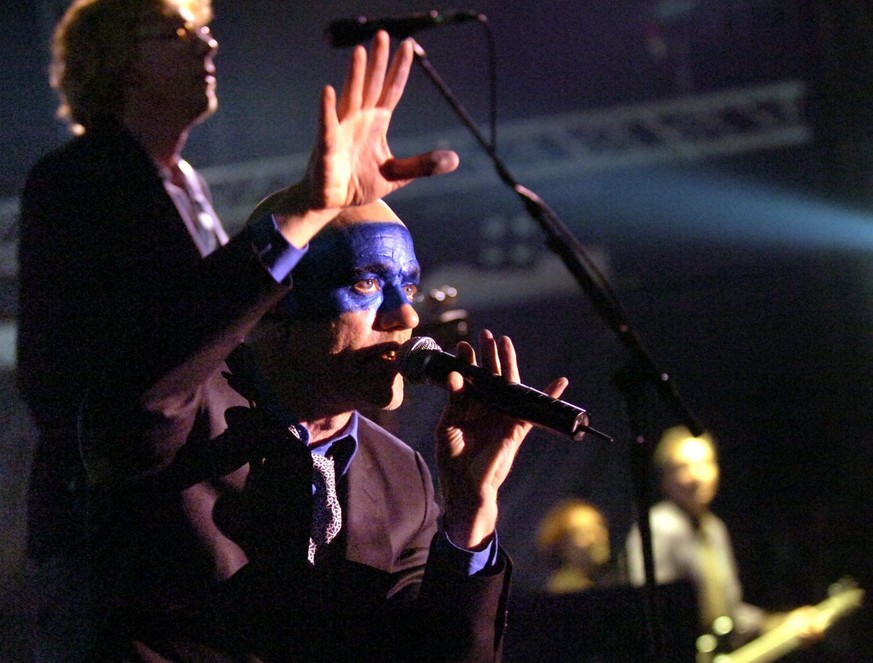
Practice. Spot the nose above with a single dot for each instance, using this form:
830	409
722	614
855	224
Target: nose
396	311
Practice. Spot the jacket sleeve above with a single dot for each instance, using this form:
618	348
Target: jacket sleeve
463	617
143	406
437	611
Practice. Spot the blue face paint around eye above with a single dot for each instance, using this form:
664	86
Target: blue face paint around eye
366	266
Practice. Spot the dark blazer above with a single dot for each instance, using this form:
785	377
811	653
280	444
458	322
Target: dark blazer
102	250
379	596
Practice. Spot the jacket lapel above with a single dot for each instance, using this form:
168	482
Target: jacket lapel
367	541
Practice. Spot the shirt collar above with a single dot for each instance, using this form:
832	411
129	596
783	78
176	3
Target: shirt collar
342	446
246	378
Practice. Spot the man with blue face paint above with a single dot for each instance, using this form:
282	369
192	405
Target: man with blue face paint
247	511
349	309
328	350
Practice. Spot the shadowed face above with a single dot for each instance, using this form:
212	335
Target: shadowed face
586	544
173	67
690	478
348	312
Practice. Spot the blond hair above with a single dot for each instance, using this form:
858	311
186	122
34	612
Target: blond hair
673	438
92	49
561	520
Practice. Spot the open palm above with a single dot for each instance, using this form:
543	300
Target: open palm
352	163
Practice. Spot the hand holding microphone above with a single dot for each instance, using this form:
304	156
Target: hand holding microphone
483	425
421	360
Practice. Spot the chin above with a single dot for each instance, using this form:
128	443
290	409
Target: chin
393	398
207	110
394	404
397	392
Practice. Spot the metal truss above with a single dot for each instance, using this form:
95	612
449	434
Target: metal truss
551	147
689	128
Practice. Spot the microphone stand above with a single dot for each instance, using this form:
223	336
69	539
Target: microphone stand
639	375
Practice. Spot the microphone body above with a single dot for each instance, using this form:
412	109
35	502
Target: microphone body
351	31
421	360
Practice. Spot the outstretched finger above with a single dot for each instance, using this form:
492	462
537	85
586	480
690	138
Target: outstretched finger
398	74
352	93
489	352
327	117
376	66
556	387
508	359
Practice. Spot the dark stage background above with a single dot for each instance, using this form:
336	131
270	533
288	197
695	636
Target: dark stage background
746	268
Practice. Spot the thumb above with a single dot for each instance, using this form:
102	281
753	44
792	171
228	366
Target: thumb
436	162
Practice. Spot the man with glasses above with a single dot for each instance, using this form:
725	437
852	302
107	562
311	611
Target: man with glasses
110	223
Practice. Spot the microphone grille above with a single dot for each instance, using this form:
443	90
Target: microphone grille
411	356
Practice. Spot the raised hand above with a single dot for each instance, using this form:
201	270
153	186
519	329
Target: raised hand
476	445
351	163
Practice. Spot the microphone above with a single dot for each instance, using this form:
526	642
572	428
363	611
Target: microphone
421	360
351	31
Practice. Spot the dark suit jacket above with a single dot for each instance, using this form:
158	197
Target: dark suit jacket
169	574
102	251
379	595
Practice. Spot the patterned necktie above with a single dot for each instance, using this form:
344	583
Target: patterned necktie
327	516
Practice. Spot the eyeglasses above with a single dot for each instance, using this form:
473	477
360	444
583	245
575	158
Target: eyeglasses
187	33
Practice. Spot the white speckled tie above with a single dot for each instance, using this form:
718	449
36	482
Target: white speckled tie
327	516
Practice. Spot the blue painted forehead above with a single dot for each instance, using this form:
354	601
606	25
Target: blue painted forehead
339	253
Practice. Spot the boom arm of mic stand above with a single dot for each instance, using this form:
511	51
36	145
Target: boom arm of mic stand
562	242
641	370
